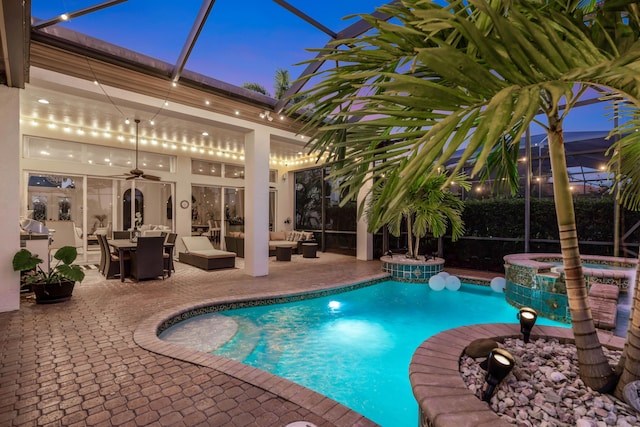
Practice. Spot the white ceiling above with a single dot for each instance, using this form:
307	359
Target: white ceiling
103	113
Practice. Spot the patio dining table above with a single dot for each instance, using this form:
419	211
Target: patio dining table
126	245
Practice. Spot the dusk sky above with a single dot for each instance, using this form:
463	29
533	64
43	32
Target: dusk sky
241	41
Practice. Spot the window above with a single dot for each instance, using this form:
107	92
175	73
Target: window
233	171
201	167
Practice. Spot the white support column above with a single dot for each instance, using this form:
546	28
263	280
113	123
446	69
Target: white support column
256	219
10	194
364	241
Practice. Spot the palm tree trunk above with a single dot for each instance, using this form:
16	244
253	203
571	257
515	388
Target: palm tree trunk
594	367
631	356
409	236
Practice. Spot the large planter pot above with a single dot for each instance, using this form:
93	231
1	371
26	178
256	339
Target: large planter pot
54	292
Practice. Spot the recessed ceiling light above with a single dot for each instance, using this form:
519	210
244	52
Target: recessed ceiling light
151	122
237	113
64	17
207	102
205	133
43	101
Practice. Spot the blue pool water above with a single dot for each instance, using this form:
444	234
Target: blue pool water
354	347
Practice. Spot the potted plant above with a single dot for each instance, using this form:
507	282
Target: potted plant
54	284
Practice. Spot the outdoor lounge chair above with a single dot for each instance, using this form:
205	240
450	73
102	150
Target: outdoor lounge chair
201	253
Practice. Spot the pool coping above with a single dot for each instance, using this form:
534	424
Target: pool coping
444	400
146	336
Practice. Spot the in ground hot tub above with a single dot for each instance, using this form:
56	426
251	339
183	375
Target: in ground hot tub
537	280
411	270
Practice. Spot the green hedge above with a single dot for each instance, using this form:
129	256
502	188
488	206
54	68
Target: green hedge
491	218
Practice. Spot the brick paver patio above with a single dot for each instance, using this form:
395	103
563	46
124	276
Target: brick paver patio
76	363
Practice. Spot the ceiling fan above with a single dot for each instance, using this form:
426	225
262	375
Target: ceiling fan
136	173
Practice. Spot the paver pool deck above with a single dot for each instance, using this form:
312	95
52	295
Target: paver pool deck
77	363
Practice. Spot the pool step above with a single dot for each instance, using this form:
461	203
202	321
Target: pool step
243	343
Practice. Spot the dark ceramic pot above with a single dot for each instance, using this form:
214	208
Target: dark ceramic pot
54	292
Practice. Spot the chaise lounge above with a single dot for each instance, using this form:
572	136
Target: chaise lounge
201	253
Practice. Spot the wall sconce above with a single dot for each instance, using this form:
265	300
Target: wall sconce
499	363
527	317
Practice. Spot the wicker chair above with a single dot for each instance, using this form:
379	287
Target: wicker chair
121	234
147	261
168	254
111	267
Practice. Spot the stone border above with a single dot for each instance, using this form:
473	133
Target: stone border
444	400
146	336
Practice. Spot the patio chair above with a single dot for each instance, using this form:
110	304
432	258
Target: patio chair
147	260
168	253
111	267
121	235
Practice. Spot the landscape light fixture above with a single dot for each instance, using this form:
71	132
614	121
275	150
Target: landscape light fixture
527	318
499	363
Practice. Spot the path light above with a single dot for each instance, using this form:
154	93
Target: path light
527	318
499	363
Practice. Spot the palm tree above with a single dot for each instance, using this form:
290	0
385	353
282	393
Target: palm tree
473	75
625	158
256	87
282	82
428	207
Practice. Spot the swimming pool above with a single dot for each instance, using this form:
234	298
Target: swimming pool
354	347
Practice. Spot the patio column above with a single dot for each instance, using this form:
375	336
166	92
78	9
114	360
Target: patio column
10	194
256	219
364	239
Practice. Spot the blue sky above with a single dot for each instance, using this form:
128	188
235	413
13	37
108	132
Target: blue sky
241	41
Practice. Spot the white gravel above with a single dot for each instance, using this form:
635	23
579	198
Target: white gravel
544	389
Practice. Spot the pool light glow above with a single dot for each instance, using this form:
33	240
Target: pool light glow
334	305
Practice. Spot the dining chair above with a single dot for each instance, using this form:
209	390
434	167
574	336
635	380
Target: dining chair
112	261
103	254
121	234
168	253
147	261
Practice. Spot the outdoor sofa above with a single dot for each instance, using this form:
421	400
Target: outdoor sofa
234	241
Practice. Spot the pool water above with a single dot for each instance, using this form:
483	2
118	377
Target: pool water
354	347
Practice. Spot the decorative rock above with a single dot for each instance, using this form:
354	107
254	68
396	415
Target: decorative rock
556	377
480	348
552	397
544	389
631	394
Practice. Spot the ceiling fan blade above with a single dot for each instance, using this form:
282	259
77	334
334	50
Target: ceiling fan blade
131	177
151	177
